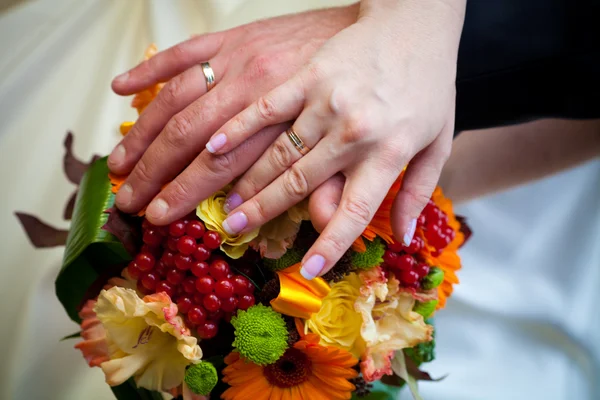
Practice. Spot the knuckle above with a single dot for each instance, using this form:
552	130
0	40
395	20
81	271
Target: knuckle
357	128
221	164
333	243
295	183
259	211
265	108
143	171
179	53
417	198
358	210
263	66
314	72
179	130
172	91
280	156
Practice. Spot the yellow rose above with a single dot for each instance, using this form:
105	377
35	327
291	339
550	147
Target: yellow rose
337	322
145	338
211	212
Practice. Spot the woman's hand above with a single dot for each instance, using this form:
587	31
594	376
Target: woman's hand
248	61
378	95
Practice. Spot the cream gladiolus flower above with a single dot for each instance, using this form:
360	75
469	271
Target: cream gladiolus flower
212	213
389	324
146	339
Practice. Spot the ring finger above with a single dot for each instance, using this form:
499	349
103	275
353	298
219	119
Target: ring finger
289	147
177	94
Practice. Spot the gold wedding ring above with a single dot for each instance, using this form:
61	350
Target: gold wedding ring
209	75
297	142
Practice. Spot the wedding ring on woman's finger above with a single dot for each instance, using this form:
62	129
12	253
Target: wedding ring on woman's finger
297	141
209	75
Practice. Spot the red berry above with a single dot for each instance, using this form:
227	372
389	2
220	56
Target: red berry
432	232
219	269
172	243
147	225
229	304
422	270
155	251
409	277
205	285
200	268
215	315
422	220
168	258
241	285
246	301
177	228
150	280
160	268
202	253
211	302
175	276
134	270
390	258
195	229
186	245
184	304
198	298
227	317
207	330
448	231
197	315
405	262
395	246
224	289
145	261
183	262
152	237
189	285
212	240
166	287
416	245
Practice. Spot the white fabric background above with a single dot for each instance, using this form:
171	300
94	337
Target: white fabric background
524	324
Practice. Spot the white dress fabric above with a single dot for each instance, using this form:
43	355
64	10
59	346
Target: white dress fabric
524	323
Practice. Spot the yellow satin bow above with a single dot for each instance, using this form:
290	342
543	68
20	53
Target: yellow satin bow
299	297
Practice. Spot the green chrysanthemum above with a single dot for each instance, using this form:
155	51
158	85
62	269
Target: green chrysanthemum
291	257
261	335
201	378
434	278
372	257
426	308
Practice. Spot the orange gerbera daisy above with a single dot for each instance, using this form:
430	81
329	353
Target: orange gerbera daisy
448	259
306	371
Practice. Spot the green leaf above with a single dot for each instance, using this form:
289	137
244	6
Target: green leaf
71	336
89	248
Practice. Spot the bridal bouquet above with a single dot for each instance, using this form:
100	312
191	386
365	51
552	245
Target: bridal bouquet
187	311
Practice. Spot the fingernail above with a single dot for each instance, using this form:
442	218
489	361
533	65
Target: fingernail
232	202
235	223
124	195
216	142
312	267
117	157
122	78
410	232
157	209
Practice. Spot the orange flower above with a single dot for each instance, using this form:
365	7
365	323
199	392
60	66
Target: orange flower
142	99
381	223
307	371
448	259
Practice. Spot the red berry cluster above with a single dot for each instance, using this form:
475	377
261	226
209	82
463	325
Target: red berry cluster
404	261
178	259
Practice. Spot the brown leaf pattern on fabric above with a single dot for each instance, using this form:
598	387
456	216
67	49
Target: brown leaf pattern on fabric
126	228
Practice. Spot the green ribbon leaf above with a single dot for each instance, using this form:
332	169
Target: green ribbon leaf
89	249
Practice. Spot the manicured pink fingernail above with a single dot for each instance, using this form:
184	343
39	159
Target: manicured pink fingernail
124	195
232	202
312	267
235	223
216	142
157	209
117	157
410	232
122	78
